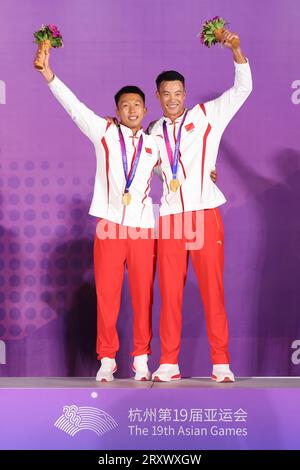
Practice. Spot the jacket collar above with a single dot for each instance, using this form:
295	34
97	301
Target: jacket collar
127	132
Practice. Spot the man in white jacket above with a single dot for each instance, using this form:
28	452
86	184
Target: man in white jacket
126	158
188	141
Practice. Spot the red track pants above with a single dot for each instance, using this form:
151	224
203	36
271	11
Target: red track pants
208	263
110	256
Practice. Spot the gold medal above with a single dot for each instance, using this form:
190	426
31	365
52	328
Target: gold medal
174	185
126	199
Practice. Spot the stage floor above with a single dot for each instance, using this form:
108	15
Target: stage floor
194	382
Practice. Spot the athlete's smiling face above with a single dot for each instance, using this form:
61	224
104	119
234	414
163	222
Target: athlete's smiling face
131	110
171	95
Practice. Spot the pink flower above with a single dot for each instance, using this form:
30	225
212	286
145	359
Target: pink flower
54	30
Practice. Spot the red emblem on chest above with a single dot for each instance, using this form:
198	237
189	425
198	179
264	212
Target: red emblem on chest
189	127
148	150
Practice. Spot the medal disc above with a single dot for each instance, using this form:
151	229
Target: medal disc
126	198
174	185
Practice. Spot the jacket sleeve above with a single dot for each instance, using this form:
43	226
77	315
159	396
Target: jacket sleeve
221	110
89	123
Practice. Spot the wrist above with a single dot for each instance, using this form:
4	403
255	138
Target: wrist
237	50
239	56
49	76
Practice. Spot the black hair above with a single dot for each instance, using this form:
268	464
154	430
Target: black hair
169	76
129	89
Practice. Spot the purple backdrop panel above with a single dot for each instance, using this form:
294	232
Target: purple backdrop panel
47	297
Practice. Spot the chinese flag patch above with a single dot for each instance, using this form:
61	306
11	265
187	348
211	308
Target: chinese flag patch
148	150
189	127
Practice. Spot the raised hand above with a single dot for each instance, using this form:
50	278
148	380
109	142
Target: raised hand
44	56
230	40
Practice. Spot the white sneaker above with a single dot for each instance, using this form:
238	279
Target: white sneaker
222	373
107	369
140	367
166	373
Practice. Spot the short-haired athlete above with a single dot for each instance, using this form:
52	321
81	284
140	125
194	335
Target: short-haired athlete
126	158
188	141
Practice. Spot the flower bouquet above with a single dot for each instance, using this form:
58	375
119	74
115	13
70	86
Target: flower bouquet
46	37
212	32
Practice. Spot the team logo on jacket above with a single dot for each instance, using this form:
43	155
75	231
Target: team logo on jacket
189	127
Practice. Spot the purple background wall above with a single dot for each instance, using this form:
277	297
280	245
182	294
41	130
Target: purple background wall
47	299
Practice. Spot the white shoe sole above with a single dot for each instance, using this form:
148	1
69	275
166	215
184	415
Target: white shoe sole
158	378
141	376
225	379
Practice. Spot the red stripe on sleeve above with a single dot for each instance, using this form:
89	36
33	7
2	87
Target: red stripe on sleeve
203	153
203	108
103	141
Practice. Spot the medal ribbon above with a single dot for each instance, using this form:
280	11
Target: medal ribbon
136	159
173	158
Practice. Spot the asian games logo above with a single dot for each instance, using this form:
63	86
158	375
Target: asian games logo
79	418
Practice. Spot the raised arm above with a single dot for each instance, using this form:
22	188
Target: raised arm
222	109
88	122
